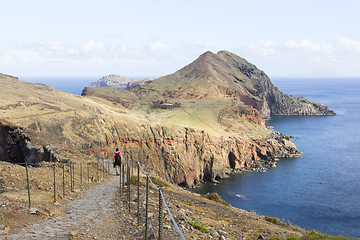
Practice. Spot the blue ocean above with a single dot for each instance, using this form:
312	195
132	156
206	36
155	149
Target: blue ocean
73	85
319	190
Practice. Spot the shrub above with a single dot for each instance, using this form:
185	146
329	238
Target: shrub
198	225
215	197
276	221
156	181
159	183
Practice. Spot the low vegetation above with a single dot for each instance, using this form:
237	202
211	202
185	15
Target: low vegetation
198	225
215	197
155	180
159	183
313	235
276	221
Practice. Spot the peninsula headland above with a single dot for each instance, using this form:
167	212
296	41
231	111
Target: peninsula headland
198	124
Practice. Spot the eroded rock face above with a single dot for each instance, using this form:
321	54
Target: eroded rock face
181	155
188	156
194	156
15	147
12	143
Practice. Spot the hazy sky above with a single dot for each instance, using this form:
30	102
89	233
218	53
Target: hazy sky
157	37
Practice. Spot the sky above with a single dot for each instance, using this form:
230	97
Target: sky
297	38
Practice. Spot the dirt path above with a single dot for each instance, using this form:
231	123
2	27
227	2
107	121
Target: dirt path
79	214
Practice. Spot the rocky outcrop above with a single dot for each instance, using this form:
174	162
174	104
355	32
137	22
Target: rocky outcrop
189	156
139	83
283	104
117	81
13	143
16	147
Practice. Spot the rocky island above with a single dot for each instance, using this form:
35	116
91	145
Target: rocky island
118	81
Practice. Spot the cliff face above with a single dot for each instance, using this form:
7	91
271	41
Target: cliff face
180	155
263	95
190	156
283	104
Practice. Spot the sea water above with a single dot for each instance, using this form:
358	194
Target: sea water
319	190
73	85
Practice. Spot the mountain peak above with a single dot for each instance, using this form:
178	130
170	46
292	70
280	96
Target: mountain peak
226	75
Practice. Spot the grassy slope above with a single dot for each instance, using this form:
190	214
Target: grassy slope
201	113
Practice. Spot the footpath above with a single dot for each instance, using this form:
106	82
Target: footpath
80	213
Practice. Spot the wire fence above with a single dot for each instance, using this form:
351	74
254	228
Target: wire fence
67	177
63	178
149	225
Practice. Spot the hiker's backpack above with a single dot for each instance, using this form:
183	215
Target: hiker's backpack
117	157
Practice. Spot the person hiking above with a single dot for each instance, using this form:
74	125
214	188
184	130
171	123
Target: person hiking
117	160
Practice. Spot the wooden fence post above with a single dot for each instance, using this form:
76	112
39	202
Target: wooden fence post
138	193
54	171
146	206
129	180
119	178
73	172
81	177
71	182
28	183
63	182
160	213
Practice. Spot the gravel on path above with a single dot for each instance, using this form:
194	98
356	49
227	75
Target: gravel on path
80	213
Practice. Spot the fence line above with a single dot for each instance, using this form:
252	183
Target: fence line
95	177
62	167
161	201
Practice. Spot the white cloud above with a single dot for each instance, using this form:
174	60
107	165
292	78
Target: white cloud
7	60
155	46
306	44
297	57
95	61
56	45
27	55
301	44
349	43
92	46
274	57
74	51
264	48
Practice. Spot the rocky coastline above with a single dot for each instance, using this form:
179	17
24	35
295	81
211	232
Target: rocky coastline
183	156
